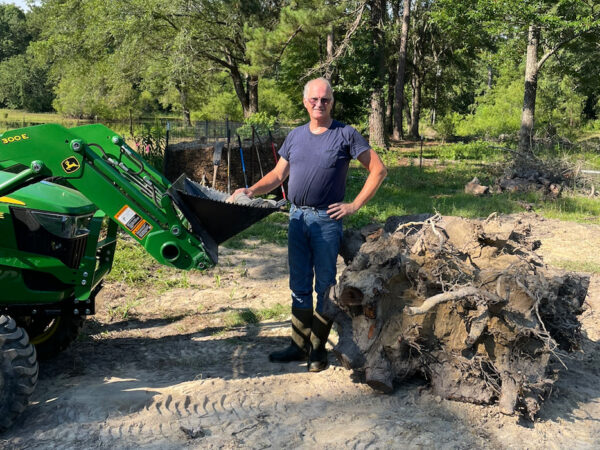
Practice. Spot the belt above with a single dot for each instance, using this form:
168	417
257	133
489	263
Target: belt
308	208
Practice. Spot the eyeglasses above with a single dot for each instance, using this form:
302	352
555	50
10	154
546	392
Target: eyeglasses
314	100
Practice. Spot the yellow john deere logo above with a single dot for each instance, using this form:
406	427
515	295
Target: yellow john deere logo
70	164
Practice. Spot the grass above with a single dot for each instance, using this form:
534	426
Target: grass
577	266
134	267
406	190
13	118
249	316
476	151
123	312
270	230
410	190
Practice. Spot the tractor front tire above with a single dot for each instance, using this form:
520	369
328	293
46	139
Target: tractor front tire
18	371
52	335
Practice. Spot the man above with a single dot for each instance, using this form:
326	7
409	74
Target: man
316	157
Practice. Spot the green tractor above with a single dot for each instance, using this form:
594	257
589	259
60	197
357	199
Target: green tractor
64	194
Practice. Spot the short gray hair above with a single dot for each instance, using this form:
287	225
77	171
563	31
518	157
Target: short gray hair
324	80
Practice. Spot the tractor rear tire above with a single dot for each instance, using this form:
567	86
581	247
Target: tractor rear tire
18	371
52	335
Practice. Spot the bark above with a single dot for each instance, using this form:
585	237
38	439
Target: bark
252	95
389	104
183	99
467	304
490	77
377	136
240	90
435	99
397	132
531	74
415	111
330	55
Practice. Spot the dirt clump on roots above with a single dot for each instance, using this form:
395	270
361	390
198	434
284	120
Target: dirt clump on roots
466	303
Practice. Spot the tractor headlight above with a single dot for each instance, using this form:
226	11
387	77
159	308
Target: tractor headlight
61	225
61	236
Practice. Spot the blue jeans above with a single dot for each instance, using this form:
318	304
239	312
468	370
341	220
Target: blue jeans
313	243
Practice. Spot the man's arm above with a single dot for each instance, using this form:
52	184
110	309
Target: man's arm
377	173
269	182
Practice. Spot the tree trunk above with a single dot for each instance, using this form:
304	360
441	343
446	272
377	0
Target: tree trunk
415	112
490	77
240	90
434	107
377	116
183	99
436	88
401	69
389	104
531	73
252	95
458	301
330	50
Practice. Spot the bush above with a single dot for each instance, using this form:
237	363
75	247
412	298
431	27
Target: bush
151	144
446	127
498	111
260	121
478	150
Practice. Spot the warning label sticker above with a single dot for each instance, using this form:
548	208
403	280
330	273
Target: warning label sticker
133	222
143	229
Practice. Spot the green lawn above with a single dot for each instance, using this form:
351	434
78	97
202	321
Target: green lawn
406	190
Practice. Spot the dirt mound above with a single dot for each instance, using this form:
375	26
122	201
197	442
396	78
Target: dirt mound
466	303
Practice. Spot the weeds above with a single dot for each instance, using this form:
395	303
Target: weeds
123	312
134	267
270	230
251	316
578	266
410	190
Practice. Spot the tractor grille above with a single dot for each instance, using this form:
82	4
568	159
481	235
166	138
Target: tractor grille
33	238
43	281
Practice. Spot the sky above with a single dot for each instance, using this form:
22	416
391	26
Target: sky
20	3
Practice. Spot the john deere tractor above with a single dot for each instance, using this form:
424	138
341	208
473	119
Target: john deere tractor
64	194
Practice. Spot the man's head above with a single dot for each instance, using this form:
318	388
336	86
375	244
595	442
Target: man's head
318	99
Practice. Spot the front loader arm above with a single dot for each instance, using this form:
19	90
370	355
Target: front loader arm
98	163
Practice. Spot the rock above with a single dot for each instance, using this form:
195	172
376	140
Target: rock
474	187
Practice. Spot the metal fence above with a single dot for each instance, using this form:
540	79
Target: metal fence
209	131
203	131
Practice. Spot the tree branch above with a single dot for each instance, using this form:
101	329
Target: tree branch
558	46
342	46
447	297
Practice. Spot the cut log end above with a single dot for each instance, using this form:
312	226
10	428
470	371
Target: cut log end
475	325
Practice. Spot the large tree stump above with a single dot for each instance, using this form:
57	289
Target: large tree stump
465	303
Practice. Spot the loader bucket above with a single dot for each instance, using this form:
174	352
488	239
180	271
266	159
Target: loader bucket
211	217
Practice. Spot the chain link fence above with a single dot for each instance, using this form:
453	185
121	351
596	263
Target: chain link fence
210	131
204	153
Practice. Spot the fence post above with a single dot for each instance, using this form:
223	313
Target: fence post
166	153
228	156
167	135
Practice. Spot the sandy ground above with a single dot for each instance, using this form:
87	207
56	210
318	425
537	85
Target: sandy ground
170	376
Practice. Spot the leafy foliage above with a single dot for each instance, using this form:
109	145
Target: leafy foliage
260	122
151	144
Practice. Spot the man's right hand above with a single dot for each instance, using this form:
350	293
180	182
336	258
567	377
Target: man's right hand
243	191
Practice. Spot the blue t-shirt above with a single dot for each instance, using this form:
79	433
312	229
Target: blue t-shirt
319	163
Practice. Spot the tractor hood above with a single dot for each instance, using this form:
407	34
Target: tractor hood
48	196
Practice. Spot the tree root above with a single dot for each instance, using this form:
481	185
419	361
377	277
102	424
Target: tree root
466	303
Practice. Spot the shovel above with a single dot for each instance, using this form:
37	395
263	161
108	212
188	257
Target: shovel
243	165
217	160
228	158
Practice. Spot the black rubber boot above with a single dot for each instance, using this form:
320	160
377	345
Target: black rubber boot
298	348
317	359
